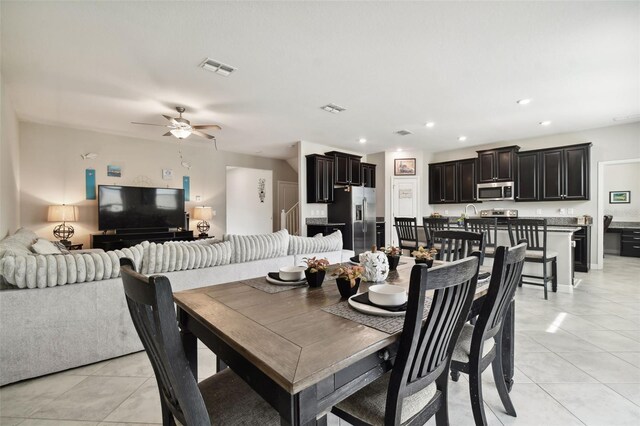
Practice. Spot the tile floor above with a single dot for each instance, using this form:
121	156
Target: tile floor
577	360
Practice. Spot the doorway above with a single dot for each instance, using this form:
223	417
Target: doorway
249	201
404	202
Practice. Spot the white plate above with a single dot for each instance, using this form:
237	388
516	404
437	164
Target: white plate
278	282
372	310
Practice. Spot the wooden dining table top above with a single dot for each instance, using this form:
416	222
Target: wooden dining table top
287	335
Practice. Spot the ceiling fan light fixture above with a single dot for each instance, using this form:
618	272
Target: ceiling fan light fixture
181	133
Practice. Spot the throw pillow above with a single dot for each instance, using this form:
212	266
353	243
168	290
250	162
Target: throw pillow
42	246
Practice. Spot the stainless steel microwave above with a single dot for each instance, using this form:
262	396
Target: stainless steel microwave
495	191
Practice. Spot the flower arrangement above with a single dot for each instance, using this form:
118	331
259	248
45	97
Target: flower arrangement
348	273
424	254
392	251
435	215
315	265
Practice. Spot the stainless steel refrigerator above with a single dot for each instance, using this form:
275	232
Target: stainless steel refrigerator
357	210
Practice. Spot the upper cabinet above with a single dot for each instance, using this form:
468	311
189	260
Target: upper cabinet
368	173
347	168
320	175
565	173
527	176
497	165
452	182
467	182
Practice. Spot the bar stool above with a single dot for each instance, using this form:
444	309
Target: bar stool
407	229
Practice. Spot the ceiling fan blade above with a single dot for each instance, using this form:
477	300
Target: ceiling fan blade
167	134
150	124
171	119
202	134
207	126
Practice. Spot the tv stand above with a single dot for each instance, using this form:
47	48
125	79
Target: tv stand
131	237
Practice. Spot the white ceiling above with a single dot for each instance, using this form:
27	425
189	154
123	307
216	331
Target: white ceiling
393	65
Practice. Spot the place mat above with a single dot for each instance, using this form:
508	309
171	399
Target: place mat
262	285
390	325
364	299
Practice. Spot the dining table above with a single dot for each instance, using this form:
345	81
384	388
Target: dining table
300	348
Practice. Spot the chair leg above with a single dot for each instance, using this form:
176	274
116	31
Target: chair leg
442	415
475	392
498	377
167	415
544	279
554	272
455	375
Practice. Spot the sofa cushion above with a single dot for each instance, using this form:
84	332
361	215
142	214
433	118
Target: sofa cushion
18	244
303	245
246	248
183	255
42	246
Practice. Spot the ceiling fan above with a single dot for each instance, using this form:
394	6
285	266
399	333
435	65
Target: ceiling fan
181	128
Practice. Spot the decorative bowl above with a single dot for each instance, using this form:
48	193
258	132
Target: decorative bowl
292	273
387	295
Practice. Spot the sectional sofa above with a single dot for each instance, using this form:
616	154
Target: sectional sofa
61	311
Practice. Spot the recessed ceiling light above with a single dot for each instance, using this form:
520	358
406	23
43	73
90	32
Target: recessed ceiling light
217	67
545	123
404	132
430	124
333	108
462	138
524	101
362	140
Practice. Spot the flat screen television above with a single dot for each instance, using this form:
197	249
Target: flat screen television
128	207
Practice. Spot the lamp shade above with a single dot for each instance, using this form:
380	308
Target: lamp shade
62	213
203	213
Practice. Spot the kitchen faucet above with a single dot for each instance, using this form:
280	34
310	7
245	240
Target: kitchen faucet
475	210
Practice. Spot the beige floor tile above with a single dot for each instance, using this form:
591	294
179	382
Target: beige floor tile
143	406
609	340
10	421
92	399
134	365
44	422
632	358
604	367
613	322
562	341
551	368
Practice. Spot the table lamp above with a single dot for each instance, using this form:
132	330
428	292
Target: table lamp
203	213
64	214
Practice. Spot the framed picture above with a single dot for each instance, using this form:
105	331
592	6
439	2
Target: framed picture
114	171
619	197
404	166
167	174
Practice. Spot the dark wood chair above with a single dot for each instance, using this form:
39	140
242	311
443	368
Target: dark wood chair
416	388
607	222
456	245
431	225
534	233
222	399
407	229
481	344
487	226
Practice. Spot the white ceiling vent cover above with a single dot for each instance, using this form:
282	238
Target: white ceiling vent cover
333	108
404	132
217	67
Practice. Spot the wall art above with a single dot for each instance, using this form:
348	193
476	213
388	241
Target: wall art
261	191
404	166
167	174
114	171
186	185
619	197
90	184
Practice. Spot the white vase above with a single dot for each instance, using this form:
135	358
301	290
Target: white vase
375	265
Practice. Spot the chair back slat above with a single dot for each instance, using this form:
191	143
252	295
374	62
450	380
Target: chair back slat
533	231
426	347
433	224
150	302
456	245
487	226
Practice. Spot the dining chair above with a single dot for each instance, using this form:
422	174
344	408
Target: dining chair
607	222
480	344
456	245
222	399
407	229
488	226
534	233
416	387
431	225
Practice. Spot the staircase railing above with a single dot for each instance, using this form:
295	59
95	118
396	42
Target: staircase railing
290	219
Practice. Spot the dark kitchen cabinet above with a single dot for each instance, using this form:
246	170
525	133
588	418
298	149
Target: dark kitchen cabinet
442	182
497	165
582	249
347	168
368	173
527	176
565	173
320	175
467	181
380	229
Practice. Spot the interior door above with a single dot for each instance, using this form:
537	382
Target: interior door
405	201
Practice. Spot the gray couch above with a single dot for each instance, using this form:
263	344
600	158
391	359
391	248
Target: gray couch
50	329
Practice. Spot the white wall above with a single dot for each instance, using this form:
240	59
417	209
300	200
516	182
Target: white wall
609	143
52	172
246	213
9	166
622	177
379	160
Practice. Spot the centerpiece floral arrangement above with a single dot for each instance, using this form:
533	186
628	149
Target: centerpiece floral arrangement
423	255
393	256
316	269
348	279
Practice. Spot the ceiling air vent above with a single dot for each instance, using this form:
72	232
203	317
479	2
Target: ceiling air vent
333	108
404	132
217	67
